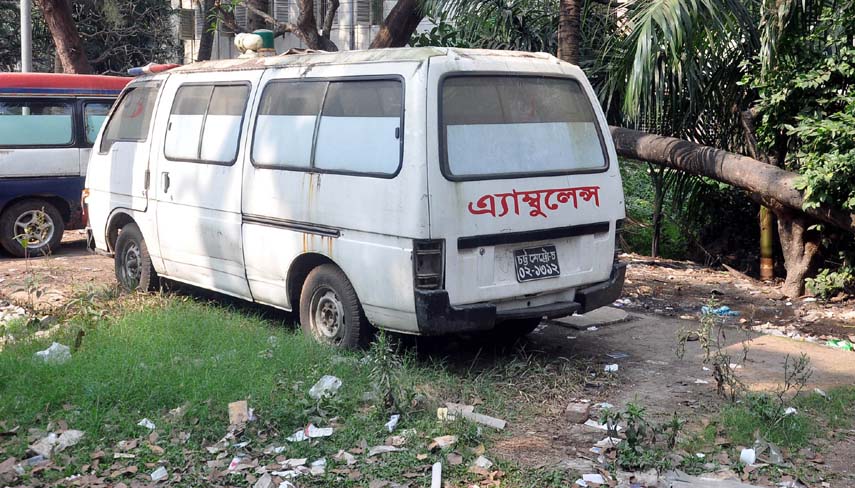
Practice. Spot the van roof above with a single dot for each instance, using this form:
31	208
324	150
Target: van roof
46	84
314	58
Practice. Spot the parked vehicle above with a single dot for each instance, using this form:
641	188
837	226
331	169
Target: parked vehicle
48	123
420	190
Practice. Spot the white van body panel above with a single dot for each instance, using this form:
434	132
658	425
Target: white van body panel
375	242
199	203
487	273
49	161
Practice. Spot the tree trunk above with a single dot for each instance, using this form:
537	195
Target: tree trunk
569	30
206	40
767	218
307	28
658	177
801	250
254	21
773	186
399	25
69	46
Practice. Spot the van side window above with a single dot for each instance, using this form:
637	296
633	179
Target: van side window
286	124
35	123
132	117
94	114
360	127
205	122
359	130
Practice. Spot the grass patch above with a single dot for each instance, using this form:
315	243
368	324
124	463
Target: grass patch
172	352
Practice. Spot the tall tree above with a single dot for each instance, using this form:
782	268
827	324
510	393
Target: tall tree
569	30
399	25
69	47
206	37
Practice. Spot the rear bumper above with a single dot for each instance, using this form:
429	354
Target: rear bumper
436	316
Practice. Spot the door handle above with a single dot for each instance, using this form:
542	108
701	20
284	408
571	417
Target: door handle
164	181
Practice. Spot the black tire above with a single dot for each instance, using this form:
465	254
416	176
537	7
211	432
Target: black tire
134	270
37	218
510	330
330	311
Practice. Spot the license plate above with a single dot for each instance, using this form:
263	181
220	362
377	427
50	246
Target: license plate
536	263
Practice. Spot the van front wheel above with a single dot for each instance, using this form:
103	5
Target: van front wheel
330	311
134	270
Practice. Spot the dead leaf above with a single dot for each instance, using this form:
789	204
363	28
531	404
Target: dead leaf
156	450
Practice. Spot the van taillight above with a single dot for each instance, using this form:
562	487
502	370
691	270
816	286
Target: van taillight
618	229
84	206
429	264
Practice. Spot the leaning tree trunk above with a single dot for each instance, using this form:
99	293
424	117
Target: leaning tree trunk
399	24
69	47
772	186
569	30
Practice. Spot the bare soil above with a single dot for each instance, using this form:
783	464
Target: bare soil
662	298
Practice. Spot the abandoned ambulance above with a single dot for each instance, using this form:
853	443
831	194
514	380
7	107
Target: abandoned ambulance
419	190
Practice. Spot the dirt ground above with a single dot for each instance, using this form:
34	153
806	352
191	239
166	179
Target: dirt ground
661	299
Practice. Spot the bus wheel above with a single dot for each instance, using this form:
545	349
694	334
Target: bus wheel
31	228
330	311
134	270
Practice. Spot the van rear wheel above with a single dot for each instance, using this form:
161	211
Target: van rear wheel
330	311
31	228
134	270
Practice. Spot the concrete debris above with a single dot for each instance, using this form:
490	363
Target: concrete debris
55	354
436	475
442	442
577	412
593	478
452	410
327	386
52	443
310	432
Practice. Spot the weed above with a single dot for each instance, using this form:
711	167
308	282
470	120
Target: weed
386	366
829	283
641	448
712	337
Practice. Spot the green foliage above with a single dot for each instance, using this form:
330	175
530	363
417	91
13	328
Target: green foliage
442	34
763	414
641	447
829	283
807	99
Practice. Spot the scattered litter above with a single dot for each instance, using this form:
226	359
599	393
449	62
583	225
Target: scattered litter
148	424
841	344
604	405
679	479
591	478
821	393
705	368
452	410
345	456
593	328
318	467
68	439
701	382
328	385
700	455
747	456
722	311
235	463
393	421
622	302
240	413
384	449
483	463
436	475
55	354
608	442
159	474
266	481
618	355
734	366
611	368
790	411
310	432
52	443
597	425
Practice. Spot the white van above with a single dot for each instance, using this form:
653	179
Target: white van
420	190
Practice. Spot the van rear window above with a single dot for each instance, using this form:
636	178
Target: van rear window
35	123
508	126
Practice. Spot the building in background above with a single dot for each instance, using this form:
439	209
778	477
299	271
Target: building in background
355	25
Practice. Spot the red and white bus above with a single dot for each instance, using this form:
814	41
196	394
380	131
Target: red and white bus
48	123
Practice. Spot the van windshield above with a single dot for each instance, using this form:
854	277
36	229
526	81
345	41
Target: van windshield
506	126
